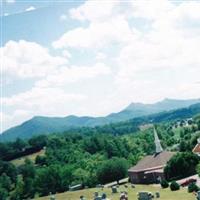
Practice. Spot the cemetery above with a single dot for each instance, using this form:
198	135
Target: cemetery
139	192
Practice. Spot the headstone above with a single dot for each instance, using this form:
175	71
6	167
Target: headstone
103	196
145	196
133	186
82	197
98	186
114	189
52	197
157	195
96	194
198	195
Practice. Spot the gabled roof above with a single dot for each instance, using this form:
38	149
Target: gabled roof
196	148
152	162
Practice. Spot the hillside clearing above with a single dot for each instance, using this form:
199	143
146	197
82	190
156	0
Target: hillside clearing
20	161
166	194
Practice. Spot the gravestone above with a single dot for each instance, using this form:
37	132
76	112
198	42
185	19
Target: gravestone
198	195
145	196
114	189
96	196
133	186
157	195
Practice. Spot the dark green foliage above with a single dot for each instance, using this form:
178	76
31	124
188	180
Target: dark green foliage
112	170
164	184
40	160
184	145
181	165
27	170
38	141
54	178
9	169
5	182
3	193
192	187
174	186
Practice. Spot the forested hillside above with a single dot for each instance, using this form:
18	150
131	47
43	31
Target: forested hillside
87	159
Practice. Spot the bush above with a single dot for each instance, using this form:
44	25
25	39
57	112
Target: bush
192	187
164	184
174	186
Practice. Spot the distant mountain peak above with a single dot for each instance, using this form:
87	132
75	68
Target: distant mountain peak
45	125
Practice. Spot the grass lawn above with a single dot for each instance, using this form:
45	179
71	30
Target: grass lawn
20	161
166	194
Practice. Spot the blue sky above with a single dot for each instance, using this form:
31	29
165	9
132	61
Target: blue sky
96	57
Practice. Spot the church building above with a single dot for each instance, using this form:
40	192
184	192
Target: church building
151	168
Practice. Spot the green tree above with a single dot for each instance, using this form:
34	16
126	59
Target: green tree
5	182
18	193
40	160
112	170
181	165
3	194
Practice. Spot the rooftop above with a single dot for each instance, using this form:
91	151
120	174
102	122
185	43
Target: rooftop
152	162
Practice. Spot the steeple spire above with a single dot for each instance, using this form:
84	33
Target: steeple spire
159	148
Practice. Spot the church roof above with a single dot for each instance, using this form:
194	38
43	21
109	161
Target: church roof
152	162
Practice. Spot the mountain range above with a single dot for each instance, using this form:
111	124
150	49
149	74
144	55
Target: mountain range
45	125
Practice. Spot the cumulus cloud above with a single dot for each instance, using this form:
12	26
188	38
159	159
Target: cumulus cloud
94	10
98	35
38	101
25	59
74	74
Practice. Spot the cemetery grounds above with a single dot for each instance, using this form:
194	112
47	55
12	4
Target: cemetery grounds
165	194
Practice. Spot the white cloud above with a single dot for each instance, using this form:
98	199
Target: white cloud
31	8
39	101
66	54
74	74
41	98
28	59
97	35
63	17
94	10
101	56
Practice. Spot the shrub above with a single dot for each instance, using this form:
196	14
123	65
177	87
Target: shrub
164	184
174	186
192	187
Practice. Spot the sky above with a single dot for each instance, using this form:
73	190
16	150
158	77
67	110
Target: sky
95	57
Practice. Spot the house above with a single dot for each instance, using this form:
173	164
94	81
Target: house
196	149
151	168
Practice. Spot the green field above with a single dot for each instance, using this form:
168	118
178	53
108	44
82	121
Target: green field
20	161
166	194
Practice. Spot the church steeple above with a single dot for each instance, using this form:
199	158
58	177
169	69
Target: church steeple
159	148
